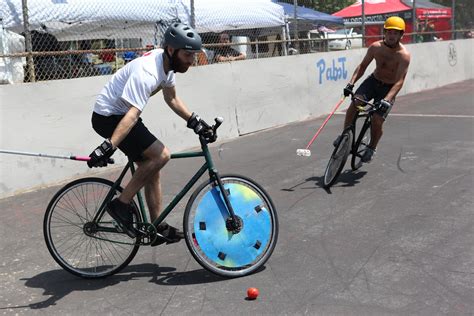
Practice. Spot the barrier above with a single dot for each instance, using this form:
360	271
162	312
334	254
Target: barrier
54	116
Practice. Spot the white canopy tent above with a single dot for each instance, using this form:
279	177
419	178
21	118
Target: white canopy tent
92	19
11	68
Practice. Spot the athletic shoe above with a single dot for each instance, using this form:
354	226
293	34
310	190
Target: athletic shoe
122	214
167	234
368	155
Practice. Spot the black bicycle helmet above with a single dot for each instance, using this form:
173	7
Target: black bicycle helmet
181	36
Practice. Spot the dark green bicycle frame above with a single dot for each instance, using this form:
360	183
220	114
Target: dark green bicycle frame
207	166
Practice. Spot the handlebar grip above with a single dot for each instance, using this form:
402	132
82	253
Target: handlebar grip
218	121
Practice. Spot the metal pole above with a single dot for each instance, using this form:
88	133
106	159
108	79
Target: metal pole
193	25
363	23
415	29
295	20
28	46
193	18
283	44
453	24
25	153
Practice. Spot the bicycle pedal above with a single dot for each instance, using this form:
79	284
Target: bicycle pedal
145	240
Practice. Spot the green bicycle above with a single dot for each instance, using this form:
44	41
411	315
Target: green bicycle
230	223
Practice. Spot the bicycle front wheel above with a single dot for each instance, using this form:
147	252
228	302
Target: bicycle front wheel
75	241
218	248
361	145
338	158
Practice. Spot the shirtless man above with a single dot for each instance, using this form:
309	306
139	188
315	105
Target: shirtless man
392	60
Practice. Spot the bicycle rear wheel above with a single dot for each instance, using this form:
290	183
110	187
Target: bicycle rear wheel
74	240
223	251
361	145
338	158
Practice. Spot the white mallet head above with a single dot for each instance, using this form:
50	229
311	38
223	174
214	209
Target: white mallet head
303	152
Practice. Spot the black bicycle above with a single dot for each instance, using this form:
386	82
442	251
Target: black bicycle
347	143
230	223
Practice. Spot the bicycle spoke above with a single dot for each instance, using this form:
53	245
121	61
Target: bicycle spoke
97	253
338	159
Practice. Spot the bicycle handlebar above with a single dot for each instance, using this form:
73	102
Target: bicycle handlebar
218	121
214	128
354	98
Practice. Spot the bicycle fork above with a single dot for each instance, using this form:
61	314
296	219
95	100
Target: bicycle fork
233	223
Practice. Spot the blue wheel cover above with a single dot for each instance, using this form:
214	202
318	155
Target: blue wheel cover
224	247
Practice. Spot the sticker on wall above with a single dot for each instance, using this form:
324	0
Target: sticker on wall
452	56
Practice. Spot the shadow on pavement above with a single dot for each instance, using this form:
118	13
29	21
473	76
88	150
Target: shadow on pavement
347	178
350	178
59	283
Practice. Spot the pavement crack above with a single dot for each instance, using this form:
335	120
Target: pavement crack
362	267
399	159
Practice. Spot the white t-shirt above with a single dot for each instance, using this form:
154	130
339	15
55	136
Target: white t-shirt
134	84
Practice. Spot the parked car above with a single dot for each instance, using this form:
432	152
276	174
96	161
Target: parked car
344	39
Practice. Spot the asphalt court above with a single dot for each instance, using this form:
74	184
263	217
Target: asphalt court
395	237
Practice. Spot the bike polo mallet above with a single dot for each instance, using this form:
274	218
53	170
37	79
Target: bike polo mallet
307	152
24	153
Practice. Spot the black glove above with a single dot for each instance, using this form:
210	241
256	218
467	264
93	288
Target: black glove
200	127
100	156
348	89
384	105
195	123
208	134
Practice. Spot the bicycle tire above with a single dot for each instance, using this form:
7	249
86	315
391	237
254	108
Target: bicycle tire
219	250
338	159
360	146
64	231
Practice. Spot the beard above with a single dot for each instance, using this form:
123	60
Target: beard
180	66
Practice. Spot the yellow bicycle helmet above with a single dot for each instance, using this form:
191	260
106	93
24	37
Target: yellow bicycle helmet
394	23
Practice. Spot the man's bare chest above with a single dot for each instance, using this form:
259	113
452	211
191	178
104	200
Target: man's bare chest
387	60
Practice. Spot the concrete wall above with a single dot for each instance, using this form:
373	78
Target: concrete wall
54	117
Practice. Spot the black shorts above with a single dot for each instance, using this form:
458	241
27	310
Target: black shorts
372	88
134	144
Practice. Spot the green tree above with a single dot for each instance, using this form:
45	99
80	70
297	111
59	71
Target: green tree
463	12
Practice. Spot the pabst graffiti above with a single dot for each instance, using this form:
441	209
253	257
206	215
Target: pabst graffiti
333	71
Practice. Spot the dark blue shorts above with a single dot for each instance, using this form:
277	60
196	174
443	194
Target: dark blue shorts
134	144
372	88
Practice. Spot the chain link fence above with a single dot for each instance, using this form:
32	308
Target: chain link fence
61	39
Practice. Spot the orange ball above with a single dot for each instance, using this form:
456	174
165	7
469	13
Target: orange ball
252	293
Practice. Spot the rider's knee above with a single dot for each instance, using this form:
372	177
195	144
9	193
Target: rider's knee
157	156
377	120
162	156
165	155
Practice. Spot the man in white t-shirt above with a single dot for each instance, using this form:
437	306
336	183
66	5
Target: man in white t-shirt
116	117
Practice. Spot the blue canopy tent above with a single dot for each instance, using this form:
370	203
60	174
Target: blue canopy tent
306	20
310	15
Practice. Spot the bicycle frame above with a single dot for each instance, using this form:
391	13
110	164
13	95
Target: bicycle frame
208	165
361	112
